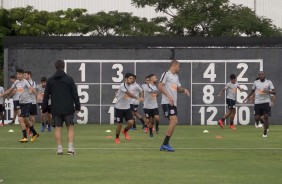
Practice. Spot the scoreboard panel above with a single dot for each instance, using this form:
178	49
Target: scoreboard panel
98	80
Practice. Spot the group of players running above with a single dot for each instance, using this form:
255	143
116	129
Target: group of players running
26	95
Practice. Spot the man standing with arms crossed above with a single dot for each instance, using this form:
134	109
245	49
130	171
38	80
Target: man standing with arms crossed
64	96
262	88
169	86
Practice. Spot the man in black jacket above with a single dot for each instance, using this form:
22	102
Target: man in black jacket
64	96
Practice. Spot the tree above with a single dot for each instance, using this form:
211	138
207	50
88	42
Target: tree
211	18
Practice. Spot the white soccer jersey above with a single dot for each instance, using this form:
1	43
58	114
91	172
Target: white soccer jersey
261	89
22	88
231	90
123	100
171	82
32	95
1	92
135	89
150	96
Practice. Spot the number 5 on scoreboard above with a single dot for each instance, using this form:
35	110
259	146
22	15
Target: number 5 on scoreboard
210	72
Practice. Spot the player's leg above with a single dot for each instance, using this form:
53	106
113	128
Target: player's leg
2	110
171	113
129	120
16	111
68	119
42	117
118	121
157	119
229	106
150	116
22	116
49	117
265	117
139	117
58	124
232	116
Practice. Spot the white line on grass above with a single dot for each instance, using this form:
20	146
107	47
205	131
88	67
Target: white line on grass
2	148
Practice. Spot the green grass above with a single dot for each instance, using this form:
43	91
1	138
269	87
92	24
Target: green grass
241	156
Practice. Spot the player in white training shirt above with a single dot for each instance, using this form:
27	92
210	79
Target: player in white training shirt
15	94
2	106
262	88
231	97
169	86
151	109
122	107
146	121
136	90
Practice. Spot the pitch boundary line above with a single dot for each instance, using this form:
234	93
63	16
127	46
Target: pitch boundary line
1	148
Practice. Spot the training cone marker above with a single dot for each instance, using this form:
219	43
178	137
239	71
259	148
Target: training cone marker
108	131
205	131
218	137
11	130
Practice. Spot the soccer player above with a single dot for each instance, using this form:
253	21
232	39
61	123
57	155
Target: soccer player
169	86
262	88
150	103
122	107
24	89
33	107
2	106
65	102
231	89
45	117
146	121
135	89
16	102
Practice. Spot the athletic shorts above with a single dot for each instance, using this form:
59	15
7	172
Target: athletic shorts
261	109
25	109
123	113
2	108
33	110
230	103
133	108
59	120
169	110
16	104
48	108
151	112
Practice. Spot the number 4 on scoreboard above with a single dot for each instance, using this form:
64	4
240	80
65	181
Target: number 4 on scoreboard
210	72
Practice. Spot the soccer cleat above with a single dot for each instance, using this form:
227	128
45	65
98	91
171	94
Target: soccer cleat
59	152
49	128
146	130
264	135
71	152
166	148
42	128
221	123
2	124
126	135
144	126
24	140
157	130
117	141
151	135
232	127
260	125
30	133
34	137
11	123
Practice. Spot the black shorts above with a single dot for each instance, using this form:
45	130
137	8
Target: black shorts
261	109
25	109
133	108
230	103
16	104
151	112
123	113
48	108
169	110
2	108
33	110
58	120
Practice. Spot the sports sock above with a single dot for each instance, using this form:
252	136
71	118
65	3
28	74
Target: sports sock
32	130
231	123
265	131
142	120
223	119
43	124
24	133
117	135
70	147
166	140
151	130
157	124
125	129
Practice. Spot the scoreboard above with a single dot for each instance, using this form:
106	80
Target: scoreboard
98	80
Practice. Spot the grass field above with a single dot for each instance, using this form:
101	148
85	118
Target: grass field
241	156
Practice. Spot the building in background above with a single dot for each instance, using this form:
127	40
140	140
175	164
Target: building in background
268	8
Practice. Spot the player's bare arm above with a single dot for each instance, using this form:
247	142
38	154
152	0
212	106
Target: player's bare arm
163	91
133	96
249	95
7	92
180	89
240	89
221	92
